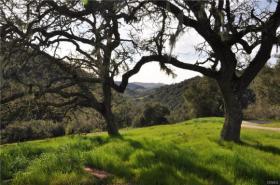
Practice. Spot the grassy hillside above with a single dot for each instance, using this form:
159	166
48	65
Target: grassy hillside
184	153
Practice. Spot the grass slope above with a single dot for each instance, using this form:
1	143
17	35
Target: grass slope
179	154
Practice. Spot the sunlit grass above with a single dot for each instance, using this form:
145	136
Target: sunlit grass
184	153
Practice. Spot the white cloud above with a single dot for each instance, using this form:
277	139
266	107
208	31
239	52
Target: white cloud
185	51
151	73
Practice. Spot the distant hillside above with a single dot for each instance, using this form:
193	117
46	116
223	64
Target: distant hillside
169	95
142	86
32	74
138	89
148	85
16	76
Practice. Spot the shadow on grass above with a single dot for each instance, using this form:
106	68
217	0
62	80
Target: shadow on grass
244	170
265	148
146	161
99	140
252	172
164	164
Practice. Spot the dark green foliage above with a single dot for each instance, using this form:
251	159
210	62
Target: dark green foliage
171	96
124	110
267	84
195	97
26	110
84	121
152	114
36	129
203	98
17	76
77	127
32	73
267	89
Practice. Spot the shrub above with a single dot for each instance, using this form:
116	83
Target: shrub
35	129
153	114
76	127
84	121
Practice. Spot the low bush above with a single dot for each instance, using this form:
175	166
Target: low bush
153	114
35	129
84	121
76	127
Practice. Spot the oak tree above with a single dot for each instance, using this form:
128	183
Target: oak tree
238	40
82	38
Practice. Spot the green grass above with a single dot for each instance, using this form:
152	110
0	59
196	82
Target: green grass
179	154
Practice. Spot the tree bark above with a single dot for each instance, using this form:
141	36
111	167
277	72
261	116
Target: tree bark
107	113
111	124
233	113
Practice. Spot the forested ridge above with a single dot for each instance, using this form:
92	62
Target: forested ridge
195	97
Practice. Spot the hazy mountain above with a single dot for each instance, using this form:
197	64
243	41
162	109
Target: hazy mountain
148	85
136	89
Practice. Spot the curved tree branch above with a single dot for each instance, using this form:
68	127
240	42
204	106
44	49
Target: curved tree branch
164	59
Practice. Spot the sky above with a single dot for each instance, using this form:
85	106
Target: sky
151	73
185	51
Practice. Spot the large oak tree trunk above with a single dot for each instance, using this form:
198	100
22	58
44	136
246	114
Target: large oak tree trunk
111	124
107	113
233	114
